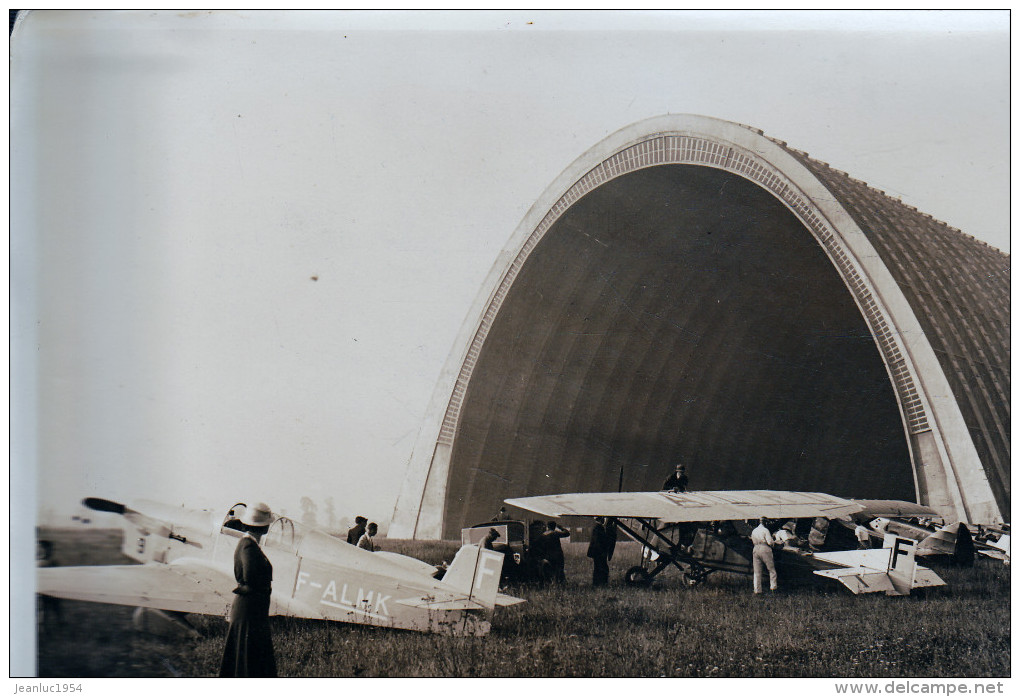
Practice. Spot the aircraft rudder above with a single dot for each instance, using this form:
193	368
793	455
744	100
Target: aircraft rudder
475	571
902	564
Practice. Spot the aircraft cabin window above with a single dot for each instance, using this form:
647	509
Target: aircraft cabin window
231	521
281	534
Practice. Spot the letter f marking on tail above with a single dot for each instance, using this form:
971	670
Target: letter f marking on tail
489	564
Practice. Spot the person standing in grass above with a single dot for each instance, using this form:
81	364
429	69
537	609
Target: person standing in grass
355	533
761	556
49	612
367	540
249	649
600	550
553	550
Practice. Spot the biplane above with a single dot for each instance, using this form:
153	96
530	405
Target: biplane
186	566
702	532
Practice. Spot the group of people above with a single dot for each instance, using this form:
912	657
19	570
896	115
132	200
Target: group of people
362	535
545	551
544	560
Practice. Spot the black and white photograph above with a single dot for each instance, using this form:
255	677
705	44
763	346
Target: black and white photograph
511	344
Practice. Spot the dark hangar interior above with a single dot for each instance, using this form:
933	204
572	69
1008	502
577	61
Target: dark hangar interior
676	313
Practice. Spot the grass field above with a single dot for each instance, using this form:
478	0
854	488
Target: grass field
717	629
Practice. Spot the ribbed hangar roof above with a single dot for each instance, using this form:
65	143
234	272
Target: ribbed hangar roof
958	288
690	290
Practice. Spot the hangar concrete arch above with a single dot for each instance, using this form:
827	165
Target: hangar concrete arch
690	289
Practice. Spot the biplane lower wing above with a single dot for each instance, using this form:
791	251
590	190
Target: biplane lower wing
698	506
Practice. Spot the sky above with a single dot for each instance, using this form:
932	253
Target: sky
244	242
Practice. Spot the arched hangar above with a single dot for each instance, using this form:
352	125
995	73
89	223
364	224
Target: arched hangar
691	290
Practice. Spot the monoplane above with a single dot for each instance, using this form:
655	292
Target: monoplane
992	541
186	566
703	532
924	525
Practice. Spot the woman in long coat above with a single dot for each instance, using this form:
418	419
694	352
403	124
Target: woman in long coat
249	649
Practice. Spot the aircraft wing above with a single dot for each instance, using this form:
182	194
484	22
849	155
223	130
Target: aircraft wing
888	508
429	604
860	580
697	506
442	601
504	600
184	586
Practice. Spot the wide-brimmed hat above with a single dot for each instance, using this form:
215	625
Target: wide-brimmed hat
257	516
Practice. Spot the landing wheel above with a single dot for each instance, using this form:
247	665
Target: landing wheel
693	576
637	576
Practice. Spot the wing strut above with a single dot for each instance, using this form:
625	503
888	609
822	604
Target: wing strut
673	556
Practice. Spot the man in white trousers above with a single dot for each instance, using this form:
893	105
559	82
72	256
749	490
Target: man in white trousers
762	540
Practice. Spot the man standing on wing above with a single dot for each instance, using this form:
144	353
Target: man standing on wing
676	482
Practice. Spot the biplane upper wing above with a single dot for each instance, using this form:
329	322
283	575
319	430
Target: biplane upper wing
888	508
184	586
697	506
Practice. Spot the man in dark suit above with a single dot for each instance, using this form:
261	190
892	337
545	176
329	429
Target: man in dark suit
677	482
553	550
600	550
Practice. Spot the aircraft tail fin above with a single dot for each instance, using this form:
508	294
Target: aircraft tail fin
1002	544
952	540
475	572
892	569
902	564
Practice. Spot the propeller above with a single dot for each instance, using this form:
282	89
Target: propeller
142	521
104	505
